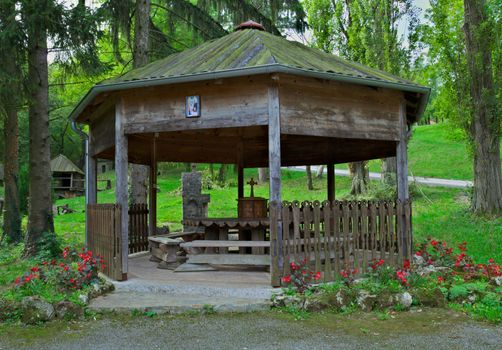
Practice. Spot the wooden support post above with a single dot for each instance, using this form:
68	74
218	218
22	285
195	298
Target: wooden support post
121	187
152	224
91	189
240	181
330	168
402	177
274	161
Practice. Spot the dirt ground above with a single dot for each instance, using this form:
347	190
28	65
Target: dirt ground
421	329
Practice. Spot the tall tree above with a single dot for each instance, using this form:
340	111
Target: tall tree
40	217
10	82
486	117
139	173
365	31
310	185
74	30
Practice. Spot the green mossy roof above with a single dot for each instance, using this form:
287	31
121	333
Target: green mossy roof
250	49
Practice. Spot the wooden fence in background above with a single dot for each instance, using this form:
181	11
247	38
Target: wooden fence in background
104	238
338	235
138	228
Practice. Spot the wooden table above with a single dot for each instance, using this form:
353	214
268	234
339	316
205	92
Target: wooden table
218	229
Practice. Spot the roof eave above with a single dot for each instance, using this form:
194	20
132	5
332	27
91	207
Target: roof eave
239	72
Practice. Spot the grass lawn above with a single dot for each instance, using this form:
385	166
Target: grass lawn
438	212
435	151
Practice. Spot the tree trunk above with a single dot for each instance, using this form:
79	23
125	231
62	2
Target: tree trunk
359	175
40	217
485	127
389	171
320	171
262	175
310	186
139	173
222	174
10	102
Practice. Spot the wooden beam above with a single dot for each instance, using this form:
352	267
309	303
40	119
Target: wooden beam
153	188
91	182
274	165
240	181
402	177
330	169
121	175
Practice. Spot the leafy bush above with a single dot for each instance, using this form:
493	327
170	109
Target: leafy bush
48	246
58	279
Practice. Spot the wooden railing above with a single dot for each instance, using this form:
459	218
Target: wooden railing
104	237
337	236
138	228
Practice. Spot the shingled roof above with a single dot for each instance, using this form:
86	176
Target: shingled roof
61	164
249	52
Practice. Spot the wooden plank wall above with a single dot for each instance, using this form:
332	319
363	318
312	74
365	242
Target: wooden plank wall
333	109
338	235
104	238
138	228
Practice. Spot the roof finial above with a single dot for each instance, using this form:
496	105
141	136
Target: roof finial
250	25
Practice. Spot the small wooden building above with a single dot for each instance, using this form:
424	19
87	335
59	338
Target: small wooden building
67	179
258	100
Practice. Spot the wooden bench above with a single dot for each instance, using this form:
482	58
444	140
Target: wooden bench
227	259
164	250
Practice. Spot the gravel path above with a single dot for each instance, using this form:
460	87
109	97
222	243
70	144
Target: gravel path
427	181
433	329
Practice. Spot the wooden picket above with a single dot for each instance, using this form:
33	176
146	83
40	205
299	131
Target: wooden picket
104	237
339	235
138	228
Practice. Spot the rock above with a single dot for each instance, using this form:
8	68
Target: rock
430	297
84	299
315	303
365	300
282	300
430	269
67	309
290	300
342	299
498	281
405	300
386	299
100	288
418	260
35	310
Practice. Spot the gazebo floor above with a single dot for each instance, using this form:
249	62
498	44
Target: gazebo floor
153	289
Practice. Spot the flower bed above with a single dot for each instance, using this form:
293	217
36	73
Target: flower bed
57	287
438	276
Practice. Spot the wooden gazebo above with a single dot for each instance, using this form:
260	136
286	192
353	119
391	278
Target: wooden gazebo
258	100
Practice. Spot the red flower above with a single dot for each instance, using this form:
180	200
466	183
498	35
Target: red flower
406	264
294	266
35	269
45	263
66	268
27	278
16	281
491	261
286	279
440	279
419	253
434	243
317	275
